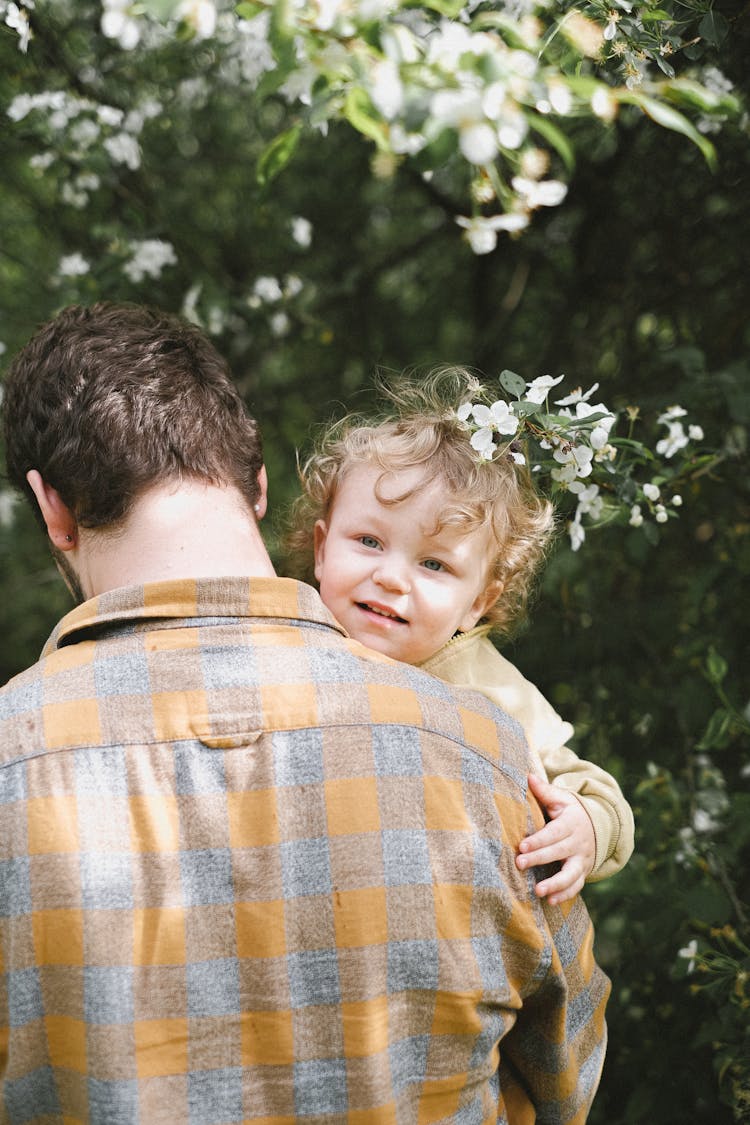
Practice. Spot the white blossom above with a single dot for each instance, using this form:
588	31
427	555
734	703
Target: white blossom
302	231
478	143
590	500
293	285
512	128
110	115
386	90
267	289
610	30
481	232
406	144
603	105
150	256
538	389
575	461
73	265
18	19
279	323
670	414
41	161
651	491
576	533
636	517
483	442
85	132
124	149
576	396
190	304
117	23
498	417
688	953
200	15
7	504
73	196
539	193
675	440
660	514
695	433
216	320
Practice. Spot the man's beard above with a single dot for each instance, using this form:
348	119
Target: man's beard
69	576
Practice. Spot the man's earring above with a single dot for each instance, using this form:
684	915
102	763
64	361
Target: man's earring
68	538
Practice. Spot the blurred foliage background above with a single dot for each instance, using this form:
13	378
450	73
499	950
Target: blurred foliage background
347	263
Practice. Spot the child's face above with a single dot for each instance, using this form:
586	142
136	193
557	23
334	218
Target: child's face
391	583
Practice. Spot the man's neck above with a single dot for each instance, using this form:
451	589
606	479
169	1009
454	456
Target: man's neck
187	530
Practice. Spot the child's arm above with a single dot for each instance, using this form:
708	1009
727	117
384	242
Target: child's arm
567	839
598	794
579	791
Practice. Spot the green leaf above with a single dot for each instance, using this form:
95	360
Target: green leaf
449	8
512	383
684	91
664	66
554	137
716	665
649	14
669	118
249	9
716	732
281	34
713	28
361	113
277	154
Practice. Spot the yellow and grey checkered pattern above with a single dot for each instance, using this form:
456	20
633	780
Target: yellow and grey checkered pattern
252	872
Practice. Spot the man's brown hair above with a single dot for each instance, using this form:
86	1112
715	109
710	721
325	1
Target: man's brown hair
107	400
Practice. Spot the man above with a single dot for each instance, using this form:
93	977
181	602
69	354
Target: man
250	870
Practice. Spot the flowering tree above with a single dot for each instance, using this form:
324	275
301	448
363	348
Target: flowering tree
489	98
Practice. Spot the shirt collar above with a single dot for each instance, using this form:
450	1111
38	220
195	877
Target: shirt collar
278	598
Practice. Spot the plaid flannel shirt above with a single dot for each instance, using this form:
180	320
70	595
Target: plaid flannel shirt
251	871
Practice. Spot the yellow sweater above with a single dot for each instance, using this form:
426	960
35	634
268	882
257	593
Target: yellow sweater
472	661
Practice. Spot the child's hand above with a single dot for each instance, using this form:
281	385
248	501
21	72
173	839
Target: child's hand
568	838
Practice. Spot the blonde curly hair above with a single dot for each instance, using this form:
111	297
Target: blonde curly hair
420	429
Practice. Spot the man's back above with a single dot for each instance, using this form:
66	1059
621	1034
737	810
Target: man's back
251	871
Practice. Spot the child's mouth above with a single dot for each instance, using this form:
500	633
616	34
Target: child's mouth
379	611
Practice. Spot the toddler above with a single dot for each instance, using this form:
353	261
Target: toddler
421	550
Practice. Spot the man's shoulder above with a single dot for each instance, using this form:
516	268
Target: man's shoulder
407	694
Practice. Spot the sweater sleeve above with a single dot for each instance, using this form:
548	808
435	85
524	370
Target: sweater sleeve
471	660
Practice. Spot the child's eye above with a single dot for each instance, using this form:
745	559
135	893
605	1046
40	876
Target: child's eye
369	541
432	564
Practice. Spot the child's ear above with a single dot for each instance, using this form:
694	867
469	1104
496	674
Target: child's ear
320	533
481	604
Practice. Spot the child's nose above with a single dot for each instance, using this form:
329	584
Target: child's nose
392	575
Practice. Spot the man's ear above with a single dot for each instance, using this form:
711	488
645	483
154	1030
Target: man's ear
320	532
261	504
62	527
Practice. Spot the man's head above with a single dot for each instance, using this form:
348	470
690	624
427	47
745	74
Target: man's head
107	401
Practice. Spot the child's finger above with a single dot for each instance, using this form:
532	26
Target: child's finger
562	886
552	833
556	852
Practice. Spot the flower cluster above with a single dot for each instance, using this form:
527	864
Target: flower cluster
16	17
452	87
574	450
